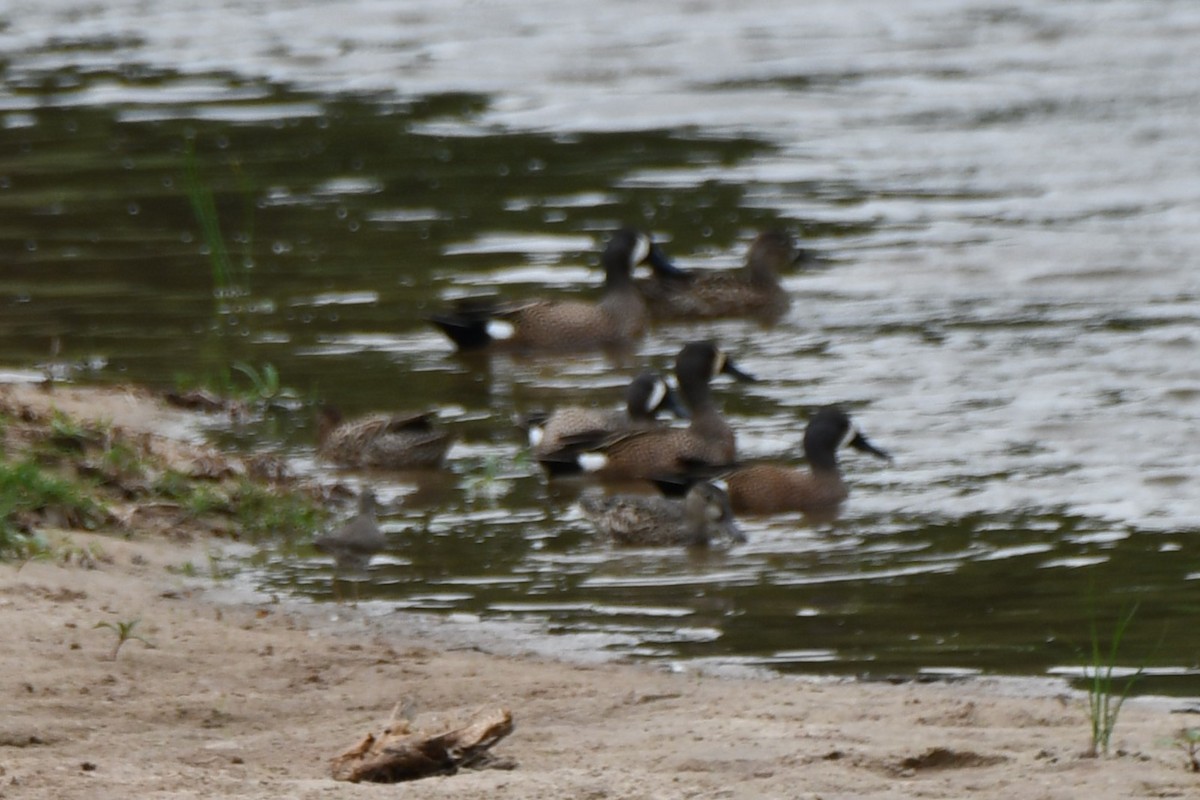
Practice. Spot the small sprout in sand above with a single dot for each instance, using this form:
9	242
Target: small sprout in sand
187	569
124	632
1188	740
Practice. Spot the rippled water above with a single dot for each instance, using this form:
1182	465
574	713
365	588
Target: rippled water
1002	197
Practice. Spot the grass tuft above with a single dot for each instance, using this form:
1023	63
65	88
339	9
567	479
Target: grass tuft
1104	697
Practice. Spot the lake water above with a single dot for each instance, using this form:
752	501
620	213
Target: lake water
1004	199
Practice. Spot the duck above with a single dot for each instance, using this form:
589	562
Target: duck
645	396
403	440
752	290
707	441
704	515
615	321
355	543
817	491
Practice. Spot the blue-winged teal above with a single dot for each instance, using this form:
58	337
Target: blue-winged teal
702	516
752	290
708	440
646	395
615	321
384	441
817	491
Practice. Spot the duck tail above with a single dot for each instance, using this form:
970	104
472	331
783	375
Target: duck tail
560	464
466	331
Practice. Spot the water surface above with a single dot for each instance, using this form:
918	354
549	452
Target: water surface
1003	203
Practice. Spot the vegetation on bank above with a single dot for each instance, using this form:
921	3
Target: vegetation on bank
59	472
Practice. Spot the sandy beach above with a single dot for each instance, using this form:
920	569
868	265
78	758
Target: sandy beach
247	696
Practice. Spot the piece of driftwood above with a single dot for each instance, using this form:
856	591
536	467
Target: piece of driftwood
399	753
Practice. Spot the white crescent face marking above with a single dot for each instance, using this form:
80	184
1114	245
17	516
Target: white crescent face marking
851	432
500	329
657	394
591	462
722	484
641	249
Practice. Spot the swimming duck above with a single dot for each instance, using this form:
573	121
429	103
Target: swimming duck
751	290
385	441
646	395
816	491
708	440
702	516
615	321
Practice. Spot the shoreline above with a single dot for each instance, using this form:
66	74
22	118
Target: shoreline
250	699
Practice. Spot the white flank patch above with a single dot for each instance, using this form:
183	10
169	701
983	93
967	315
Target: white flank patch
536	435
501	330
657	394
592	462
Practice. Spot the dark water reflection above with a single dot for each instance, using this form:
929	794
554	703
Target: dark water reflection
1005	528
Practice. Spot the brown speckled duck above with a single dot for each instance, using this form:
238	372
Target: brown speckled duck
817	491
708	440
645	397
382	441
704	515
750	291
615	321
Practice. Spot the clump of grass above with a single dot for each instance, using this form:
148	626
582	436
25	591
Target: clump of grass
27	488
263	512
1104	698
123	630
121	460
487	485
228	280
69	435
264	383
245	388
203	499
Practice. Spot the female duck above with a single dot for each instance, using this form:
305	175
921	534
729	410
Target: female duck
751	291
383	441
704	515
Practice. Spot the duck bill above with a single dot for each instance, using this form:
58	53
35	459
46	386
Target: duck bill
733	532
732	370
664	268
860	443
